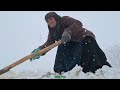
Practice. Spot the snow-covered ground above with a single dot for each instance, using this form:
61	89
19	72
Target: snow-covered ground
76	73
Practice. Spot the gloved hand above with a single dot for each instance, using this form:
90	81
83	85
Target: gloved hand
37	56
65	37
34	52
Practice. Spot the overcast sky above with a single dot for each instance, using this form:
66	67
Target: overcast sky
22	31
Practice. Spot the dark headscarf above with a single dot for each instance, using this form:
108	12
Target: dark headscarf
56	31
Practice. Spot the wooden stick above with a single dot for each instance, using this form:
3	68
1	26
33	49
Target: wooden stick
7	68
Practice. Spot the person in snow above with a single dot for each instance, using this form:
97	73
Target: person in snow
79	45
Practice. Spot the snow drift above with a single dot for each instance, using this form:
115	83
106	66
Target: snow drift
76	73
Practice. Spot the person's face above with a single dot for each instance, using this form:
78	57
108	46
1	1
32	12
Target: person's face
51	22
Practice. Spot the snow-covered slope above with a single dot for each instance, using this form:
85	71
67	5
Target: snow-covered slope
76	73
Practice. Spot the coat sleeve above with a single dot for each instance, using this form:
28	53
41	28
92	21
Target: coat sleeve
48	42
73	26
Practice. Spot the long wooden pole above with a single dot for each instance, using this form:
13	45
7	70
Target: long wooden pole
7	68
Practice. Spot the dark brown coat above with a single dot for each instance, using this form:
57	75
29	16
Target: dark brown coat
74	27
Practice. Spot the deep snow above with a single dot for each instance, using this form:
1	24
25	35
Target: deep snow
76	73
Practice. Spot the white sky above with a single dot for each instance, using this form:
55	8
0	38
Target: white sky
22	31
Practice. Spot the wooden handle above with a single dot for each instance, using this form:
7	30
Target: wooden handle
7	68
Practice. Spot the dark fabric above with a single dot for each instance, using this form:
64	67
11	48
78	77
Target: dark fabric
86	54
67	56
49	15
54	33
57	31
92	57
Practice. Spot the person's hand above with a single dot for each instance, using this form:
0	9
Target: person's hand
65	37
34	52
